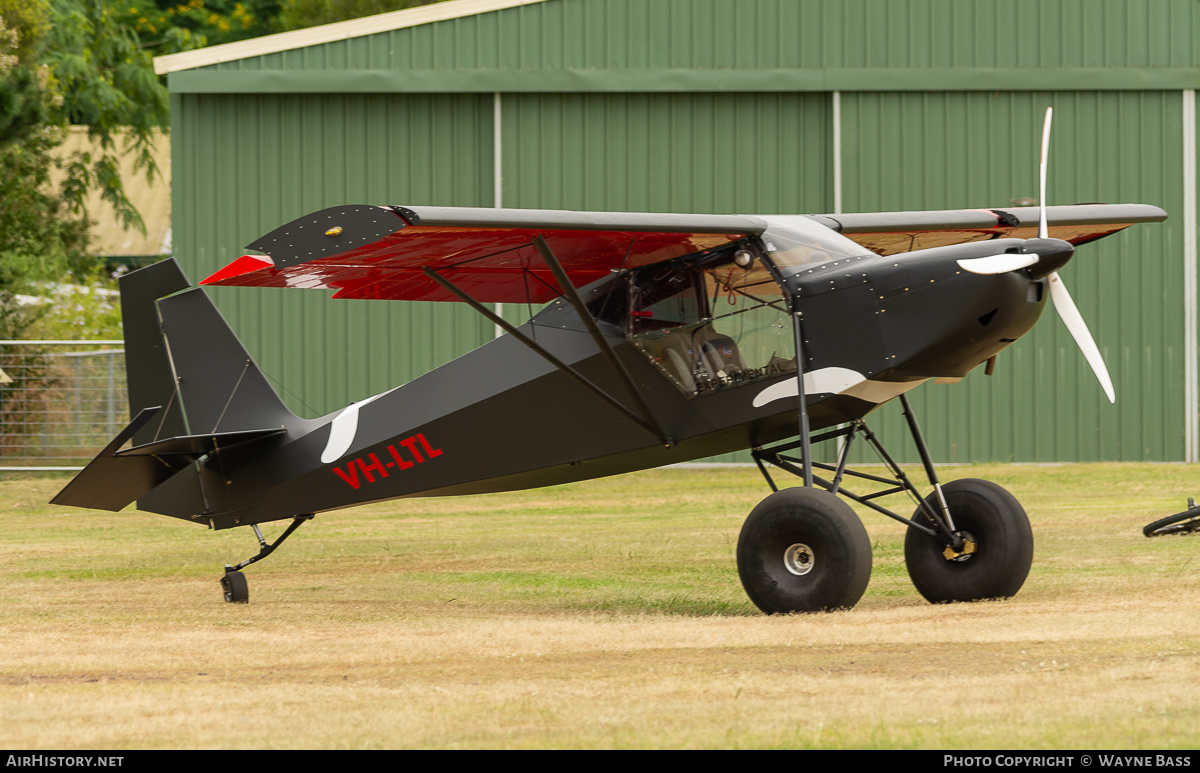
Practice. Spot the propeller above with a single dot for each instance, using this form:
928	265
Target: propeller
1044	256
1069	314
1067	311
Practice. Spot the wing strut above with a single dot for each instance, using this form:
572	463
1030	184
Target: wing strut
601	342
453	289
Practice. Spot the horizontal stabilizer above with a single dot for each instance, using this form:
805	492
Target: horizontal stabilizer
196	446
110	482
116	478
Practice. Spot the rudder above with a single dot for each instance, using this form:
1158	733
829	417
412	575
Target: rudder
147	364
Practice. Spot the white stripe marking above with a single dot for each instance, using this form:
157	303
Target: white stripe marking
838	381
342	430
823	381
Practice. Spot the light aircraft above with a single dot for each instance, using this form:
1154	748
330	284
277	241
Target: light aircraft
666	338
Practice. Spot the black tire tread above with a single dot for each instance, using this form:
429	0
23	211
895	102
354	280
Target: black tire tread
1001	564
235	587
816	518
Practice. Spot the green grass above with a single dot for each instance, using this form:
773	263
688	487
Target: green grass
605	614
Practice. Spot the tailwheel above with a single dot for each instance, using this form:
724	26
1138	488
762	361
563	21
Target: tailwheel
992	556
803	550
237	590
234	582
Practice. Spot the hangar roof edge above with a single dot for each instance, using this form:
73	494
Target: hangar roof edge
286	41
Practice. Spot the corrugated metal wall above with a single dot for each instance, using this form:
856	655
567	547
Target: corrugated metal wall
722	106
668	37
248	163
714	152
912	150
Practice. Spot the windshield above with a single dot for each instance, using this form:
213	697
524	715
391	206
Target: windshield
795	241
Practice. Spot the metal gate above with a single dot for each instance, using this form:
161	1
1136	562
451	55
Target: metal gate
60	402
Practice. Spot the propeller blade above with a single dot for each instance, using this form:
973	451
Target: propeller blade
1043	230
1069	313
998	264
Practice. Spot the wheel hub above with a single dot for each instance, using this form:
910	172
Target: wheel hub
969	546
798	559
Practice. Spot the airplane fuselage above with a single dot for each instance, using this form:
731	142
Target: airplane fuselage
502	418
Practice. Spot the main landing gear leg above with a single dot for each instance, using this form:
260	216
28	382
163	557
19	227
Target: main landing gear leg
804	550
233	583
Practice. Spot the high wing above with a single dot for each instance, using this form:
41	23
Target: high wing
382	252
887	233
374	252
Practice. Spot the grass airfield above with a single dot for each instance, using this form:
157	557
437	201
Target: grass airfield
603	614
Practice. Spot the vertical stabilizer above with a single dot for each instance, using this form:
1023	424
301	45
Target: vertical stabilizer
182	357
221	387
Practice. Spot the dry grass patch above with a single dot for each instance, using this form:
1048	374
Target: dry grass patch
606	614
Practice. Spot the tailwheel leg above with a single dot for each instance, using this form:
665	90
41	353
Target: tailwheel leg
233	582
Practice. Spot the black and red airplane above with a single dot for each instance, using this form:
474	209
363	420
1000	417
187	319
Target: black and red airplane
666	338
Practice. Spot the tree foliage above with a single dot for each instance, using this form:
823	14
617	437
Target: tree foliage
170	26
107	83
87	308
38	233
298	14
65	62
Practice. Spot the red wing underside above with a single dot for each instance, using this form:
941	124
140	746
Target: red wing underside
492	265
892	242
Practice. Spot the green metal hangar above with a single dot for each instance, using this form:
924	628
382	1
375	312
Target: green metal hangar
722	106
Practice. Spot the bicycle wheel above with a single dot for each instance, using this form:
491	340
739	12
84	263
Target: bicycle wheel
1180	523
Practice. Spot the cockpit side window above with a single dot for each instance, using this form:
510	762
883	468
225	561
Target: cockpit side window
711	321
667	297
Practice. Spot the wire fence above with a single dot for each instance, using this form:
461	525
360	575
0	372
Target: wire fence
60	402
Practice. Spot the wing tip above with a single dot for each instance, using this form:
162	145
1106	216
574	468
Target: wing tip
247	264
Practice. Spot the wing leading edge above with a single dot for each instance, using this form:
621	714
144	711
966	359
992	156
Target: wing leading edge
371	252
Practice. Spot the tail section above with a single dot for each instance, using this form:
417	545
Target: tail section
194	392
